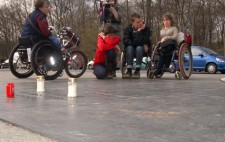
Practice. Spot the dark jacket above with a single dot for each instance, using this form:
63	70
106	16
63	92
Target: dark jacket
40	22
135	38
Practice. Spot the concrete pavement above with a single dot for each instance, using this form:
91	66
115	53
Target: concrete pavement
120	110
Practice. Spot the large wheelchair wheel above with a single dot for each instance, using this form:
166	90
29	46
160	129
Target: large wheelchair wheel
46	60
185	61
153	64
76	65
18	62
123	64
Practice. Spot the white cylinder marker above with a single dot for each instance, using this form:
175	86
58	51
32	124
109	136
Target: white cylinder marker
72	87
40	84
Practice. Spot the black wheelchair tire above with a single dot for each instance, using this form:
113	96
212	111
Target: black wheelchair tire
67	66
11	65
35	49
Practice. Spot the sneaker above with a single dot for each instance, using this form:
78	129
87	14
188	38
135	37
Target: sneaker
128	74
136	74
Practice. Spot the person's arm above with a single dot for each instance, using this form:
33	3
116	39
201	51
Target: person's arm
114	12
107	43
43	25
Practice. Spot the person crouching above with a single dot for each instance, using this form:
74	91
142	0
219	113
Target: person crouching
105	56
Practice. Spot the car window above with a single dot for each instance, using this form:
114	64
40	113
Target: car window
211	52
196	52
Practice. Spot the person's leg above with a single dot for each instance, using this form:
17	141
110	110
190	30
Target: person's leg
165	56
161	62
100	71
110	62
55	40
168	54
129	59
139	51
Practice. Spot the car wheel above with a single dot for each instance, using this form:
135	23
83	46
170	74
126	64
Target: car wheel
211	68
223	72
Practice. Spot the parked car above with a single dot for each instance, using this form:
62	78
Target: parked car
90	64
5	64
205	59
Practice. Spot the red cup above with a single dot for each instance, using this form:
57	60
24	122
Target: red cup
10	90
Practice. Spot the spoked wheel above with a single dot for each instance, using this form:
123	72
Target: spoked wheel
46	60
185	61
18	62
153	65
76	65
123	64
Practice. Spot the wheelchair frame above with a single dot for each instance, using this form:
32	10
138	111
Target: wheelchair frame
182	71
73	61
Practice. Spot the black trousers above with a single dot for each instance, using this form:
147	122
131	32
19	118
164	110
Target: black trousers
165	55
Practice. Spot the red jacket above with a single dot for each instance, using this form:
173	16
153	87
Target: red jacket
103	46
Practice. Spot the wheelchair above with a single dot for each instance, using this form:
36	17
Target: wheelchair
35	57
180	63
42	57
124	62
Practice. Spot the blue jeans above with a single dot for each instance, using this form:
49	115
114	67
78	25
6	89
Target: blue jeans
131	53
55	40
102	70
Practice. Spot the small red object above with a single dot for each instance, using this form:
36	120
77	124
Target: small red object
10	90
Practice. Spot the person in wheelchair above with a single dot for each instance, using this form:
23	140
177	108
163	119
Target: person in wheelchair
36	24
137	42
105	56
168	35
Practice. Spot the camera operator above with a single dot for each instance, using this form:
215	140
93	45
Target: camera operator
110	14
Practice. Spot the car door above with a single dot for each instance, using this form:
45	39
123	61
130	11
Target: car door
199	59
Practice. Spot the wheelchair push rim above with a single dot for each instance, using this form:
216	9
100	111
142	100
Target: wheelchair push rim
185	61
19	64
46	60
152	65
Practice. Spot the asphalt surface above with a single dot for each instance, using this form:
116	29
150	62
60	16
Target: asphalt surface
118	110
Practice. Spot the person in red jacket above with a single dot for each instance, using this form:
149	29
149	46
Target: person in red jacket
105	56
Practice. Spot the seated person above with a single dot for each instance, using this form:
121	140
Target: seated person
168	34
137	42
105	56
36	24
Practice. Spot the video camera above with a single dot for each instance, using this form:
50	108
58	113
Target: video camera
107	3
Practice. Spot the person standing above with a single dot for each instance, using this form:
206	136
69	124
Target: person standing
137	42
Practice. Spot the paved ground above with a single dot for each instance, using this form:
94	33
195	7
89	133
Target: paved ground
118	110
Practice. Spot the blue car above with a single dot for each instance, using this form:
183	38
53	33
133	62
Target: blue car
205	59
